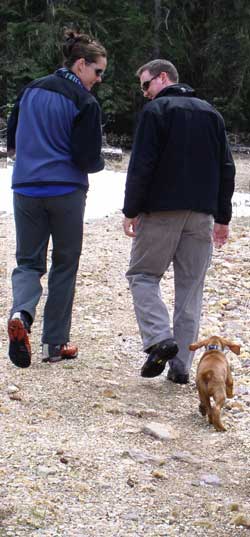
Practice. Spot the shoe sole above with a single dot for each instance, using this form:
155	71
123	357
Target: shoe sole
157	365
19	345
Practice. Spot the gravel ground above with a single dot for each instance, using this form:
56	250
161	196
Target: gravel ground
76	456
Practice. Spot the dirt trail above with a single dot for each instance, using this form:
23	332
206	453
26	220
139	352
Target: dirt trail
76	459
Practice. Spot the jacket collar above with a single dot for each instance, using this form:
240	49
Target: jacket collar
64	72
182	90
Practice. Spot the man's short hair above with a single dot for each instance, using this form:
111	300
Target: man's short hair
155	67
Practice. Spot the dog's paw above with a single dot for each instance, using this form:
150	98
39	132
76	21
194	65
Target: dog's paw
202	410
220	428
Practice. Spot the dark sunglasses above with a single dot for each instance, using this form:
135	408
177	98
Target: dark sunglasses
145	85
98	72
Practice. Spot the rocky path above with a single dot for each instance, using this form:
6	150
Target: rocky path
79	453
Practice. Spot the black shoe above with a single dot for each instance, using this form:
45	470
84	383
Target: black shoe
178	378
158	357
19	345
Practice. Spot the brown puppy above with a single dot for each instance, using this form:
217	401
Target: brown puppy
213	377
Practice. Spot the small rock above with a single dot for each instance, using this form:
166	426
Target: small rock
114	410
4	410
176	511
46	471
241	520
97	404
109	393
195	483
203	523
159	431
148	489
242	389
64	460
158	475
12	388
214	507
131	482
135	413
234	507
147	413
131	516
163	529
186	457
246	399
16	396
142	457
210	479
234	405
238	413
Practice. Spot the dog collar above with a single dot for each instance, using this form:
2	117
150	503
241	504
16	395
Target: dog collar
214	348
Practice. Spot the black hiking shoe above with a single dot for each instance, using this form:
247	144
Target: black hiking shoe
159	354
19	345
178	378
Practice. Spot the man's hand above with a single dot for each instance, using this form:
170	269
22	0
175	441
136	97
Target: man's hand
129	225
220	234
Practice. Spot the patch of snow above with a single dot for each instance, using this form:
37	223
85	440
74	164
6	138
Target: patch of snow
105	195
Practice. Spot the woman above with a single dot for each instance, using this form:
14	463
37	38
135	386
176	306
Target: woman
55	129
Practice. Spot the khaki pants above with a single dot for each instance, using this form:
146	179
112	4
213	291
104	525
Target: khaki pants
185	239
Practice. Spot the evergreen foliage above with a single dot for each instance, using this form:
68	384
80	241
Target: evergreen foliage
208	41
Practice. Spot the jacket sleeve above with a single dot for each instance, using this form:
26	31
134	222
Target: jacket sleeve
143	162
11	127
86	139
227	183
12	122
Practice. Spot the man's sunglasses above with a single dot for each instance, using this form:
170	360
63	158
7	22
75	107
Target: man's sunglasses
98	72
145	85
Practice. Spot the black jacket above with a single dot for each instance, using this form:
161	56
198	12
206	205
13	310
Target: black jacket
180	158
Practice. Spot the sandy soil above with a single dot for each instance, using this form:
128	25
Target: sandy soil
76	459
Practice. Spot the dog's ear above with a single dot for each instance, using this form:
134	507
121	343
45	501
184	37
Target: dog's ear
198	344
234	347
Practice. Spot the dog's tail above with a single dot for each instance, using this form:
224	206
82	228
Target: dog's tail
208	376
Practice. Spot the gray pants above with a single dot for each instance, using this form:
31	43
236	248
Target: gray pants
36	219
184	238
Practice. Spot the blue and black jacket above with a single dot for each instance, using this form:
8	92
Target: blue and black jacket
55	127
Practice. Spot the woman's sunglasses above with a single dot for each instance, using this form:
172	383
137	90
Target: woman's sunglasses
98	72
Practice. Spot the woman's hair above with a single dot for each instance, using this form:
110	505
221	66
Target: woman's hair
78	45
156	67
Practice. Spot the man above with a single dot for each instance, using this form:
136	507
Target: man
55	128
178	194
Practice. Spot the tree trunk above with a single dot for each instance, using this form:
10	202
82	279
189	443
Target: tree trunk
157	24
